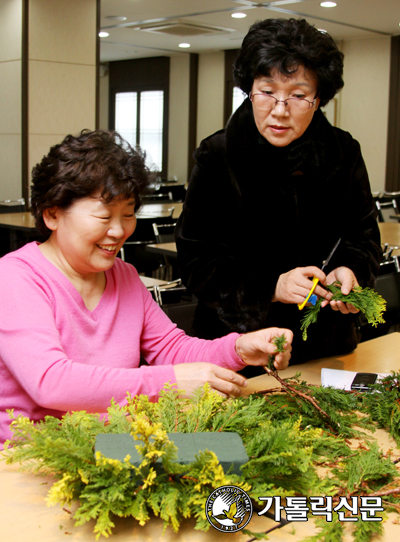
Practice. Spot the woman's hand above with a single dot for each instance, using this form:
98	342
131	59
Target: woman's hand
348	281
190	376
256	347
253	348
295	285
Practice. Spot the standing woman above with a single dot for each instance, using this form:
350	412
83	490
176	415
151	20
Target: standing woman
272	193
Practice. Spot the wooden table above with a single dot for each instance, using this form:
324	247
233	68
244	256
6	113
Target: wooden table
149	282
18	223
390	234
167	249
24	515
381	355
159	209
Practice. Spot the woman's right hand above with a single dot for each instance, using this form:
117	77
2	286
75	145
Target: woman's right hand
190	376
295	285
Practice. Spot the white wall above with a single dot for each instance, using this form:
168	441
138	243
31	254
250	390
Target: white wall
364	101
10	99
210	104
178	135
104	84
62	72
362	106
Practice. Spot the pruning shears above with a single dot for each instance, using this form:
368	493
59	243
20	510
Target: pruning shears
315	280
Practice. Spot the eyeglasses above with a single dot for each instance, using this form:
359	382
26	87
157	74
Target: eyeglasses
267	102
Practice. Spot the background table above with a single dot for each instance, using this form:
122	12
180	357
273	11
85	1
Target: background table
21	227
166	249
159	209
390	234
18	221
381	355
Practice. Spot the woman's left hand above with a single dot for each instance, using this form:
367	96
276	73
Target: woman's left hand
255	348
348	281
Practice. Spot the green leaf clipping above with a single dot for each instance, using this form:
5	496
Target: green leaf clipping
366	300
279	342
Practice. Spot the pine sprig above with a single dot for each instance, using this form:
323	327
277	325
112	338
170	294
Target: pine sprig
366	300
279	341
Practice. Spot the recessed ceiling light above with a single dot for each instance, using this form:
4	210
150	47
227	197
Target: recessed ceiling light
103	34
328	4
184	45
238	15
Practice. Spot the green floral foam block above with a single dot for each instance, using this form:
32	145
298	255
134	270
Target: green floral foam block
228	447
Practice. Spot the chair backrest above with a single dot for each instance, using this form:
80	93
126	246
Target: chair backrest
388	204
144	231
157	198
12	206
135	246
164	233
169	292
182	314
388	286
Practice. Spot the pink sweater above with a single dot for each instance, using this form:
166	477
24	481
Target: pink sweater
56	355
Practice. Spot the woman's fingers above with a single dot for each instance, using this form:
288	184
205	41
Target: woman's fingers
190	376
255	348
295	285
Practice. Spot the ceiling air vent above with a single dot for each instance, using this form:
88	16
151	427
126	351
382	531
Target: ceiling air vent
182	28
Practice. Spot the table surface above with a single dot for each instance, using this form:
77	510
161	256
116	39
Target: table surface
25	516
390	234
149	282
381	355
159	209
20	221
167	249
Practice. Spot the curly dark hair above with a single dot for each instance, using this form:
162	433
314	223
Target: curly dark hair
82	165
284	45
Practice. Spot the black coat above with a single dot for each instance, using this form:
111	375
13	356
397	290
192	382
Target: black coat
254	211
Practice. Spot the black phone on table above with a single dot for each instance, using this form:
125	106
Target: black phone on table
363	381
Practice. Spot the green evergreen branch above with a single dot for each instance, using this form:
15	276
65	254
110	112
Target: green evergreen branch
366	300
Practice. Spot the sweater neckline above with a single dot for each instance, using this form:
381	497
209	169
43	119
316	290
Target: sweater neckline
59	277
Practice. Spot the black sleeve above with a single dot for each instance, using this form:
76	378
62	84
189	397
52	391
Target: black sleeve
360	249
215	257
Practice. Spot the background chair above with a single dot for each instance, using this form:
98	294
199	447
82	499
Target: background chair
164	233
388	204
134	249
157	198
390	263
388	286
12	206
177	303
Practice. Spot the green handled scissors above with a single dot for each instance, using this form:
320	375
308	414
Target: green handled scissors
315	280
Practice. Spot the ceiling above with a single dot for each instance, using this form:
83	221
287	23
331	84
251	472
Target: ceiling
207	25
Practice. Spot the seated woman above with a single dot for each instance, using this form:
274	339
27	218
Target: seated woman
74	318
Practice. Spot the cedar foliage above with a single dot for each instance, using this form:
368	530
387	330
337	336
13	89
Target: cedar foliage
285	437
366	300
